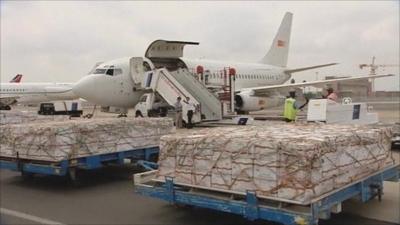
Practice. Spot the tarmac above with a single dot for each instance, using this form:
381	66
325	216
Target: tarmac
106	196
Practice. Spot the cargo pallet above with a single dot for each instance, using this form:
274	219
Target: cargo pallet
70	166
252	207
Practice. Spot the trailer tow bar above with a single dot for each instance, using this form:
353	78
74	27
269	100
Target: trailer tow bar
147	165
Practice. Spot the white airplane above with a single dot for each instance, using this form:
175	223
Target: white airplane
11	93
258	85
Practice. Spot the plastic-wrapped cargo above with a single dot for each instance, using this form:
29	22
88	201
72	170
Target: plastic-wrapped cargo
55	141
288	162
17	117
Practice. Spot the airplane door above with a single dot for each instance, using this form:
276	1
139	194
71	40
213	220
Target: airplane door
136	69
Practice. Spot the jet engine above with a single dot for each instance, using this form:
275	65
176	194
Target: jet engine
246	101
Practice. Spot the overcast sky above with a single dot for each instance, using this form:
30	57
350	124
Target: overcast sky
61	41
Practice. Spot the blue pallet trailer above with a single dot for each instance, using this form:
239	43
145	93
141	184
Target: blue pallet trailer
70	166
251	207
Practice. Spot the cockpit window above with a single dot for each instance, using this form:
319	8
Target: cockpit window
110	72
114	72
100	71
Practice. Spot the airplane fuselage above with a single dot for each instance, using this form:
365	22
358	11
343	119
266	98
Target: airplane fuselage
121	89
35	92
247	74
111	84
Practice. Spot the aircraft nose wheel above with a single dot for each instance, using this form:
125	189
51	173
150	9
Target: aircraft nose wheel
7	107
88	116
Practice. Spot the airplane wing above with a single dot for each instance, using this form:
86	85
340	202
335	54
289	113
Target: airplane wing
308	68
318	84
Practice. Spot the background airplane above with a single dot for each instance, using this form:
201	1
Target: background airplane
258	85
12	93
16	79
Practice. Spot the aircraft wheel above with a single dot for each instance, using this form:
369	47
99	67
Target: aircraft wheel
122	115
138	113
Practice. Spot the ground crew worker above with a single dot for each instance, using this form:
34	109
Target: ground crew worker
191	108
331	95
292	107
178	112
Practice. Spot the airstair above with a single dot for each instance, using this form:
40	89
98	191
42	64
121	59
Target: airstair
172	84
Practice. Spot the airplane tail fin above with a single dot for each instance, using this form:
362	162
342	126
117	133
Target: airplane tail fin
16	79
278	53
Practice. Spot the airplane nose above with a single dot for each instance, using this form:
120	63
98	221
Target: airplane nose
85	87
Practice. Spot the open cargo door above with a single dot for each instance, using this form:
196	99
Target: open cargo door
167	49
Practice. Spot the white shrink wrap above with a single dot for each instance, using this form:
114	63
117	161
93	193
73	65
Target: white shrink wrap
293	162
18	117
55	141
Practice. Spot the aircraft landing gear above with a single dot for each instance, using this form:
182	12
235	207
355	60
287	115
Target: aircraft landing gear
88	116
5	107
122	115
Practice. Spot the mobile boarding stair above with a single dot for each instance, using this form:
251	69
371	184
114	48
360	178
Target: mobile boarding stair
172	84
252	207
